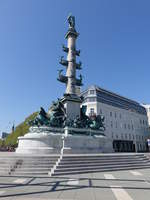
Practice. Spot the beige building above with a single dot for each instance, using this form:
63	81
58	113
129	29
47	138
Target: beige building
126	120
147	107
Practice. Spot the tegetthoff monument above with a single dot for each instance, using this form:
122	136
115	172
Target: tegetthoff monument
66	127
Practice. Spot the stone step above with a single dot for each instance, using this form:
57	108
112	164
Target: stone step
38	161
5	168
62	165
32	169
94	170
101	160
28	161
102	155
28	158
98	167
31	173
34	166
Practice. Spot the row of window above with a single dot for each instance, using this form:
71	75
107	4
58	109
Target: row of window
115	115
144	122
117	125
128	137
126	126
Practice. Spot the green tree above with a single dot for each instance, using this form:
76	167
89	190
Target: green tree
20	130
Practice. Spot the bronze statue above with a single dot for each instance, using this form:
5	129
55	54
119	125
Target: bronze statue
41	119
71	21
57	114
56	117
97	122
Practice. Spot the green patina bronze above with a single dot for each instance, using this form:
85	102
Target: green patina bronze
41	119
57	114
56	117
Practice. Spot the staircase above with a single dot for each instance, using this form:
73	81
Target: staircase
26	165
12	164
77	164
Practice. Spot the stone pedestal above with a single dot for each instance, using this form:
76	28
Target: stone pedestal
87	144
40	143
44	140
80	141
72	105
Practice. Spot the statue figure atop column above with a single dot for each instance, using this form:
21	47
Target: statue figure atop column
71	21
71	66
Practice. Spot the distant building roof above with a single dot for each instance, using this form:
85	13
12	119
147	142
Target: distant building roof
113	99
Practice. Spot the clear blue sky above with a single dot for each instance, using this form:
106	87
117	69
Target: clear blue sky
114	39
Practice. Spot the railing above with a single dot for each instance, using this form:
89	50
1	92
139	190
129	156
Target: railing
59	159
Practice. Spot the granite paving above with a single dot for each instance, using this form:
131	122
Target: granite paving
113	185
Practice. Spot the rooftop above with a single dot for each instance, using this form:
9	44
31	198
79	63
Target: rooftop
114	99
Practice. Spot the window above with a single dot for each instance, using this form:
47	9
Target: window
125	126
129	136
139	137
91	111
111	123
142	137
101	111
120	116
132	127
133	137
115	115
128	126
92	91
110	114
116	124
91	99
120	125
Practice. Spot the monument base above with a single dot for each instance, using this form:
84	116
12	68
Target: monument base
87	144
52	142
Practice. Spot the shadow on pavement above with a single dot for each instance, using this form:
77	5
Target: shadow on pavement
61	185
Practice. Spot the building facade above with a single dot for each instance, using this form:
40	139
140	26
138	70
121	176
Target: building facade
147	107
4	135
126	121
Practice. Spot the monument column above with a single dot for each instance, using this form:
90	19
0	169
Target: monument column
71	100
71	69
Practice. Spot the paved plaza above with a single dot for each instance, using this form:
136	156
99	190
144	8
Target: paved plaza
120	185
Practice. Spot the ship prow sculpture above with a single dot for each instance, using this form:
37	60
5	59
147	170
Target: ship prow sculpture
66	125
